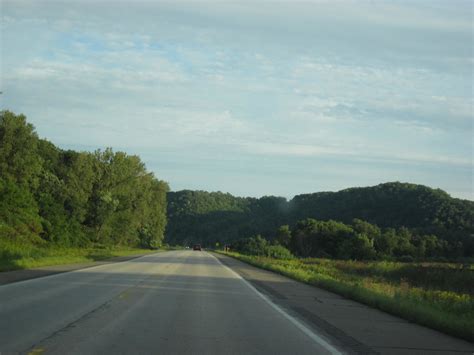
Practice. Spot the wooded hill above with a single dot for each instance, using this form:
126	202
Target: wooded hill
52	196
209	218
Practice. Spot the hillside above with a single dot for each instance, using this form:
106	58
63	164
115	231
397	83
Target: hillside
52	196
198	216
215	217
392	204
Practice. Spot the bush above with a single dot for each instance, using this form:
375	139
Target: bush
278	252
251	246
261	247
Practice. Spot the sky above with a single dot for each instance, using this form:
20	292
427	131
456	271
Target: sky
252	97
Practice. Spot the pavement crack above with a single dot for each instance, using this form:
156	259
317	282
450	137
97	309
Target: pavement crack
71	325
317	299
68	326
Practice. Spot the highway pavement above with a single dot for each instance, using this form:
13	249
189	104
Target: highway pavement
177	302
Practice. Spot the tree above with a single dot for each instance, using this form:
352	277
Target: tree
69	198
20	167
301	243
19	218
404	245
362	247
283	236
386	242
370	230
19	159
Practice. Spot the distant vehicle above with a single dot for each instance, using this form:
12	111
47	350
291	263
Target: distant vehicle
197	247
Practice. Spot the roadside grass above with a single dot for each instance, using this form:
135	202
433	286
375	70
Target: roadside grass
15	256
436	295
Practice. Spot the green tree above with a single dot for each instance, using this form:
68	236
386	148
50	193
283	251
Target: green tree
386	242
370	230
19	218
283	236
19	159
404	243
20	167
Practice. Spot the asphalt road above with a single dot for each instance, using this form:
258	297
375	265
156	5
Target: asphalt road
178	302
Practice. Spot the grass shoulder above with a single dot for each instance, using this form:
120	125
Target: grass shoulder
27	256
437	295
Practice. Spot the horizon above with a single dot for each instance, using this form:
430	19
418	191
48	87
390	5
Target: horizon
316	96
288	199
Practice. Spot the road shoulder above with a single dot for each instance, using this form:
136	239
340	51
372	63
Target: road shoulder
8	277
354	326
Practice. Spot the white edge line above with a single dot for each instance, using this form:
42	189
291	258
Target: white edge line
277	308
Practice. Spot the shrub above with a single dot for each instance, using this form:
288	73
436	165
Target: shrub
251	246
278	252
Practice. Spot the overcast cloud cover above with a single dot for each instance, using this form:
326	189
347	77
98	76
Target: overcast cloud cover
252	97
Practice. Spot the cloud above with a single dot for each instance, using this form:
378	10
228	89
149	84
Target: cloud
332	91
354	153
313	80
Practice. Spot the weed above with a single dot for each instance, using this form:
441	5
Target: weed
437	295
15	256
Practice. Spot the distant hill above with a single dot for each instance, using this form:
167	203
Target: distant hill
210	217
392	204
199	216
51	196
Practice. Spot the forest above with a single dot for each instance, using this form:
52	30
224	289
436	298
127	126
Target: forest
75	199
51	196
390	219
360	240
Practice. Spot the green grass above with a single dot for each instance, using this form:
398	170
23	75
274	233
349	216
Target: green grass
436	295
14	256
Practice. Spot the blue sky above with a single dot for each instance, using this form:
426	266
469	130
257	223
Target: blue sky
252	97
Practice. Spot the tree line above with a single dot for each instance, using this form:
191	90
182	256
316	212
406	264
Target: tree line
359	240
412	220
69	198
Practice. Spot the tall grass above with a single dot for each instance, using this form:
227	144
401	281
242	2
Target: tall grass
436	295
14	256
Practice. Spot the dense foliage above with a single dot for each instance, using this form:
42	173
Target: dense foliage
69	198
357	241
362	240
392	205
391	219
214	217
261	247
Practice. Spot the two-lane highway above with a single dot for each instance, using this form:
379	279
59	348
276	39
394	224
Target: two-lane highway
178	302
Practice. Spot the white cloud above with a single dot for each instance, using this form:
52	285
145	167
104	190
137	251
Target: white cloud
197	125
301	150
360	153
313	80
